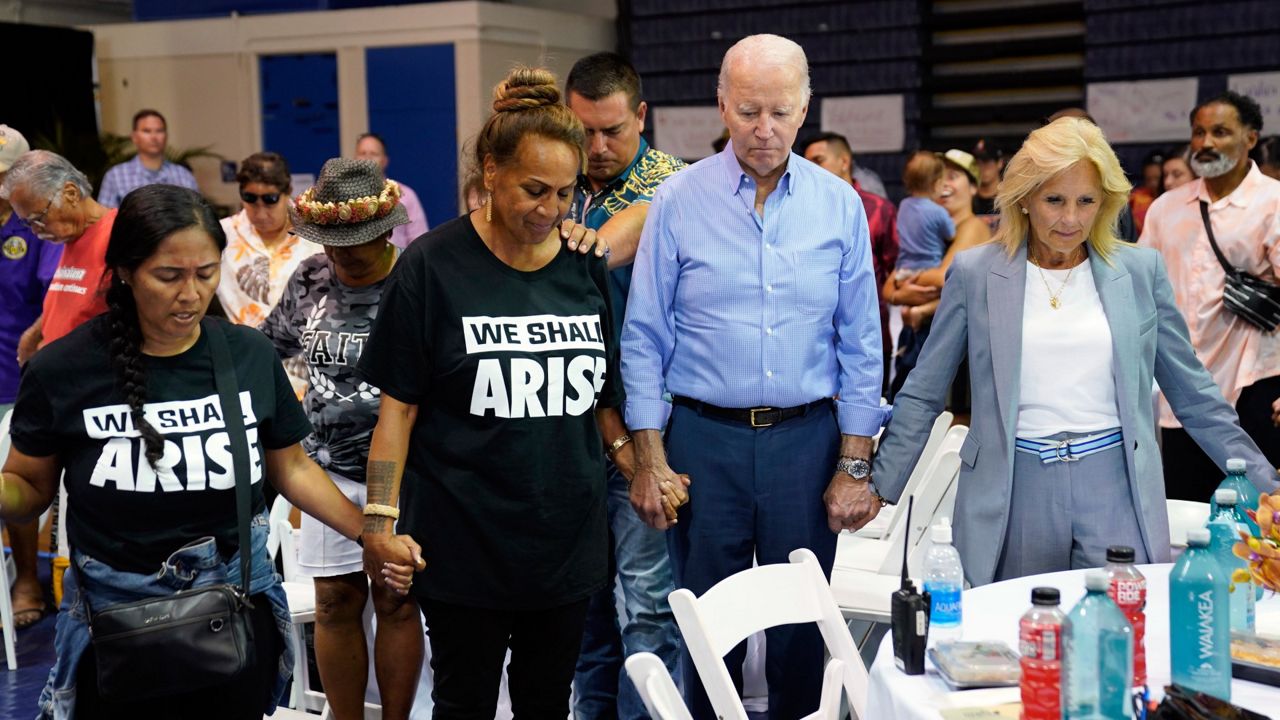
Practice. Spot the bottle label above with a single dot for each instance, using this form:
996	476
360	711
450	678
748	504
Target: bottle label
944	607
1040	642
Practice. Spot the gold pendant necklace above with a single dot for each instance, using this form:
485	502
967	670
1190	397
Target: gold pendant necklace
1055	301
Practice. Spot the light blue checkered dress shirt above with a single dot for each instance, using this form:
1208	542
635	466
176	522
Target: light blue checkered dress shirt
739	311
132	174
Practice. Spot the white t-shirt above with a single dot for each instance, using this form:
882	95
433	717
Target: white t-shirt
1067	380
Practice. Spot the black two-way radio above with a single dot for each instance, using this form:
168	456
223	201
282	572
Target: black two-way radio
910	615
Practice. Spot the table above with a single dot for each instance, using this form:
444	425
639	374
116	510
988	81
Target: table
991	612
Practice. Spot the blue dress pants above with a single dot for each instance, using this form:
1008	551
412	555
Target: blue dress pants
755	494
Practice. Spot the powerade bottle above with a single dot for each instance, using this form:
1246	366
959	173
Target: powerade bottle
1040	643
944	581
1098	656
1224	527
1199	620
1128	589
1246	493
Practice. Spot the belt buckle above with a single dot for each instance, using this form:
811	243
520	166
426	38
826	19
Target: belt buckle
1064	445
753	412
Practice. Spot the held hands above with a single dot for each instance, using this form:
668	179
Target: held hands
657	494
391	560
850	503
582	238
910	294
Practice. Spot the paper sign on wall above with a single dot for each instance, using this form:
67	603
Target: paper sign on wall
1144	111
686	132
871	123
1265	88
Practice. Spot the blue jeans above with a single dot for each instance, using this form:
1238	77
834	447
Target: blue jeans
639	553
195	565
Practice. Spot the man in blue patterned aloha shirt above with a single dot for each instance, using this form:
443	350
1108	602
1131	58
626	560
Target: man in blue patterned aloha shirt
613	197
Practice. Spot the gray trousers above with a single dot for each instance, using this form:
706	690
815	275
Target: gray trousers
1062	516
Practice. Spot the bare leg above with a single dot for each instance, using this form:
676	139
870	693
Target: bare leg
397	650
340	645
28	596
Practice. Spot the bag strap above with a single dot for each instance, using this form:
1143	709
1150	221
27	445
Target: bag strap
224	378
1208	228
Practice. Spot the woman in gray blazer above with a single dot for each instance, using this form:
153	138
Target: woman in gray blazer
1065	328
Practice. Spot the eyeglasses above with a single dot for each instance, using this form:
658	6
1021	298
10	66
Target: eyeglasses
37	219
267	198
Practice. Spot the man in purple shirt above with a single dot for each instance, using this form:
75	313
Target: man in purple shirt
27	265
149	167
372	147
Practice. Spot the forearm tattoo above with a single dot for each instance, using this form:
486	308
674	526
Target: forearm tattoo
380	479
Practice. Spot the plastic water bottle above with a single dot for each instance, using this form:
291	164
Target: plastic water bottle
1246	493
1098	656
944	579
1199	620
1128	590
1040	643
1224	526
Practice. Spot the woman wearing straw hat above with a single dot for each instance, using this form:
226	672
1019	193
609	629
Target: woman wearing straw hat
324	315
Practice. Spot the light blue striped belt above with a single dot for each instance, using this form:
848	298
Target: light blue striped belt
1071	449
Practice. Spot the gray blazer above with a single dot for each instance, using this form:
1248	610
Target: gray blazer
981	313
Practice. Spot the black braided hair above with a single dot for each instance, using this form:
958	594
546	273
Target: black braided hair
147	217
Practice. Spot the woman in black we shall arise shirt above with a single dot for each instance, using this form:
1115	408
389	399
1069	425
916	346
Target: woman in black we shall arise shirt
500	391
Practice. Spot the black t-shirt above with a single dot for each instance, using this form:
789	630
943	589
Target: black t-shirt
984	206
504	483
120	510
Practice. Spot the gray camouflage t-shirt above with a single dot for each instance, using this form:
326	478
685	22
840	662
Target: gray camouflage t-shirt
328	323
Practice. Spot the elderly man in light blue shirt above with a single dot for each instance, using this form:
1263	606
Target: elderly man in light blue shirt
753	305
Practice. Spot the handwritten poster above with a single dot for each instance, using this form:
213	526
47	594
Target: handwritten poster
1144	111
1265	88
686	132
871	123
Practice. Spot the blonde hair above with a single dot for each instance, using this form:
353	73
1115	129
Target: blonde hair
1046	153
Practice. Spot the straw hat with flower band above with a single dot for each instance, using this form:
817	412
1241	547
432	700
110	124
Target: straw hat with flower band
351	203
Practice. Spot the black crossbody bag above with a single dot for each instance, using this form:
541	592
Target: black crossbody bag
193	639
1252	298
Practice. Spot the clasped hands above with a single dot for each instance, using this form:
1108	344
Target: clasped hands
391	560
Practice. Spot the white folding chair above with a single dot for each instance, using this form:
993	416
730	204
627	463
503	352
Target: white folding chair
760	598
1183	516
301	594
7	570
657	690
867	571
878	528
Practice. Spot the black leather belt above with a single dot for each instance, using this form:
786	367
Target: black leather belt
757	417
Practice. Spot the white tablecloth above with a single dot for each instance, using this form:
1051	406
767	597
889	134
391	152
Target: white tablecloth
991	612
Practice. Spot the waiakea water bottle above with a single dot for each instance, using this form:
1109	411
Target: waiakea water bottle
1099	656
1224	531
1246	493
944	581
1199	619
1040	644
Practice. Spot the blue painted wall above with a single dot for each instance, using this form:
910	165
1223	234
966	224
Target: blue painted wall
300	108
412	107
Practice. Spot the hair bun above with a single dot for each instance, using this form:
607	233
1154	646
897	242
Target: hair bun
524	89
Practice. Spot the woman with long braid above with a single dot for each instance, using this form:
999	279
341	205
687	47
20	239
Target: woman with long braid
126	405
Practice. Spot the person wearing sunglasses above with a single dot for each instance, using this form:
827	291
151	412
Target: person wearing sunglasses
262	251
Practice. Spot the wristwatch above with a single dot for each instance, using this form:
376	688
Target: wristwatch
856	468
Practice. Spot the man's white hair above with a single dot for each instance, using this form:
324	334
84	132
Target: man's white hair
758	51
